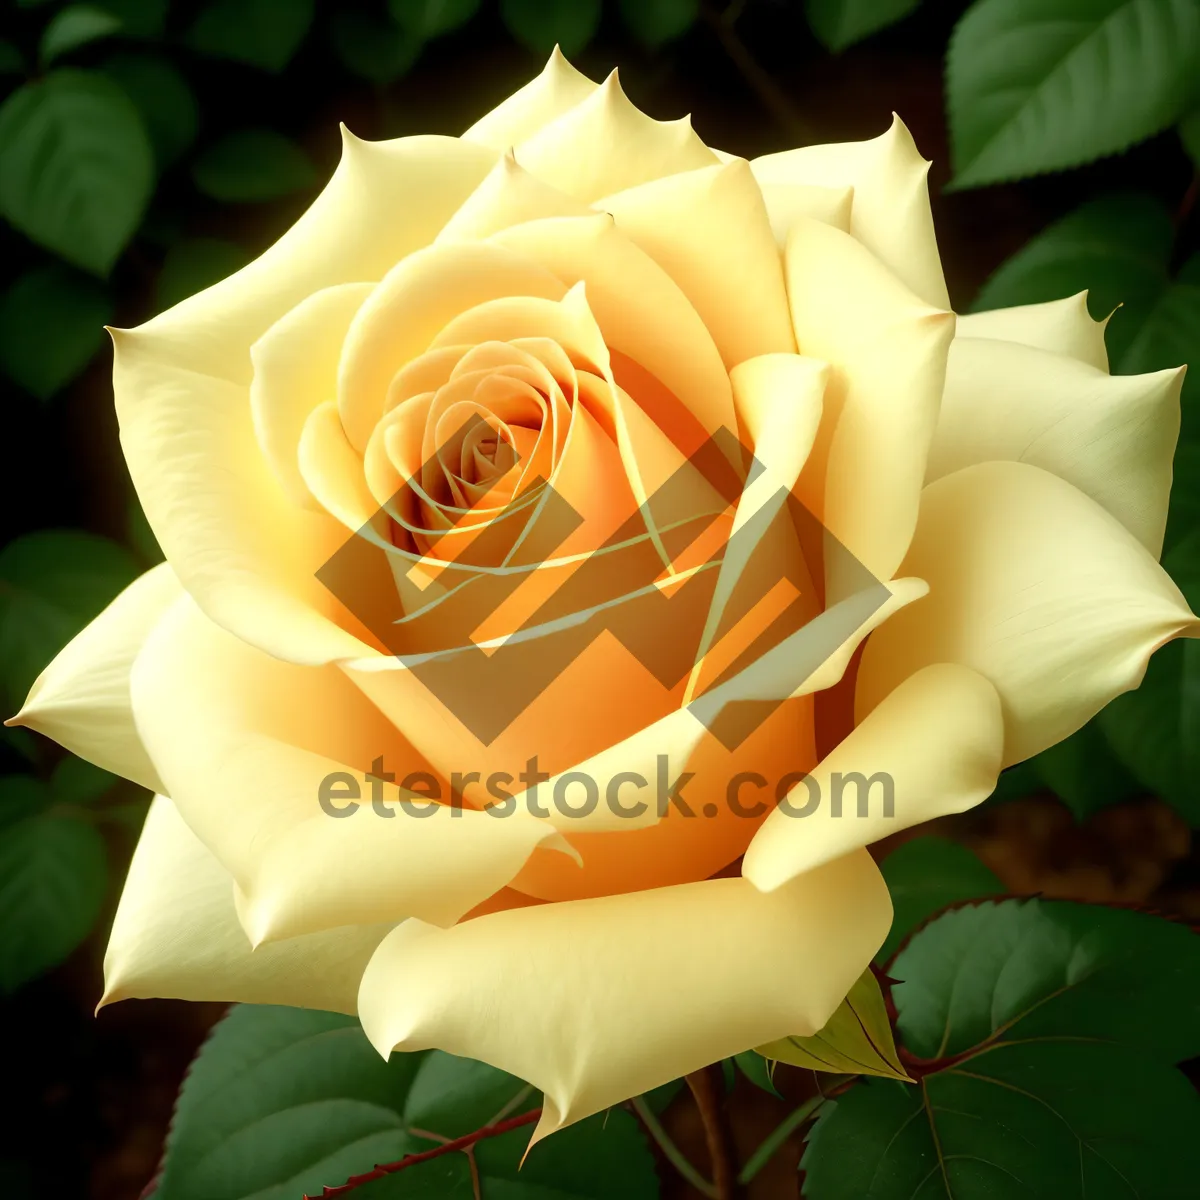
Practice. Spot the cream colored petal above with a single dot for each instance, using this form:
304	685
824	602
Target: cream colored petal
385	200
709	231
888	349
411	305
508	196
641	311
81	699
176	935
181	382
1063	326
932	747
1036	587
557	89
245	743
606	144
890	214
239	546
593	1001
1113	437
295	369
787	201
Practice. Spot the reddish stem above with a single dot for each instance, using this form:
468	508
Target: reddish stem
411	1160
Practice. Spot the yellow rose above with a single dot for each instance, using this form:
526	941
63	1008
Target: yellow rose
439	478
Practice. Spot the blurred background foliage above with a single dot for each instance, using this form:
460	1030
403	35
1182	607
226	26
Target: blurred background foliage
151	147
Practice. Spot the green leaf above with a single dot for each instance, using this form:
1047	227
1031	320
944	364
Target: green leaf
452	1096
540	25
1082	771
21	796
1067	1121
76	168
76	781
1039	85
375	50
253	165
1189	135
432	18
1143	730
925	875
856	1040
194	264
841	23
756	1069
52	583
53	872
164	99
1117	247
281	1101
139	18
1033	970
1168	337
261	33
11	62
51	324
1064	1020
74	27
602	1157
656	22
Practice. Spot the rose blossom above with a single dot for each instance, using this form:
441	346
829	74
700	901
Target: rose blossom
937	557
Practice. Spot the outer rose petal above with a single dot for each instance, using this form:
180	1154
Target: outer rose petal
890	213
709	231
236	543
510	195
1063	326
243	742
295	369
81	699
606	144
244	552
596	1000
557	89
888	350
1036	587
938	737
176	935
1113	437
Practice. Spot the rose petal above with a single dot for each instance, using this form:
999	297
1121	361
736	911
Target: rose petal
385	200
81	699
544	98
1036	587
890	214
888	350
1113	437
709	231
244	742
1062	326
641	311
176	935
412	304
508	196
295	369
238	545
605	144
786	202
623	987
936	741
